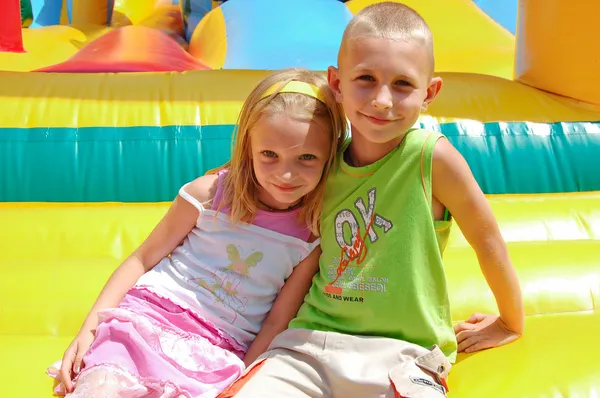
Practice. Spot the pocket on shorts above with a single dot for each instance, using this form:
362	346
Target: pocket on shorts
425	377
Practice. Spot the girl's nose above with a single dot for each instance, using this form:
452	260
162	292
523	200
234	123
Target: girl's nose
286	175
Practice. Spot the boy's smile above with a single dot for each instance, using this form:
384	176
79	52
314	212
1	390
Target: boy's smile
383	85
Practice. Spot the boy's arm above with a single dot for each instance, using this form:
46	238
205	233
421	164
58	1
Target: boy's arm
286	305
455	187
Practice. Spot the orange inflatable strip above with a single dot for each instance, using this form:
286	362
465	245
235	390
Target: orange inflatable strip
130	49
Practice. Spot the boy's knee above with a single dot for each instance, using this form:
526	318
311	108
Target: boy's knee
240	387
283	374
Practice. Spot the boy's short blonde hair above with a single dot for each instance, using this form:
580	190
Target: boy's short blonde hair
388	20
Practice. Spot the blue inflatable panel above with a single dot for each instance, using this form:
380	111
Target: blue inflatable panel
193	11
45	12
48	12
504	12
272	34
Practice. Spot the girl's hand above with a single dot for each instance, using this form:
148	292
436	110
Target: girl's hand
483	331
73	357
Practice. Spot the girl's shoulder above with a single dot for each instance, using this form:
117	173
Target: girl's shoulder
203	189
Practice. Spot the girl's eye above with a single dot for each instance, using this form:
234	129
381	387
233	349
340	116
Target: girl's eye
307	157
269	154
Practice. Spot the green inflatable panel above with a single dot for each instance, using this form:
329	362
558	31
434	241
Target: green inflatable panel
149	164
26	11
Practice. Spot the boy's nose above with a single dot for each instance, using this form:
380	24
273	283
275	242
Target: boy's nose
383	99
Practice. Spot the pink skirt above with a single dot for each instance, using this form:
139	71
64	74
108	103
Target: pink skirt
150	347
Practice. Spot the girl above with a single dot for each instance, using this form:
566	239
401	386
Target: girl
192	315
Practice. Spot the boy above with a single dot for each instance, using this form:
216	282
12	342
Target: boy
376	322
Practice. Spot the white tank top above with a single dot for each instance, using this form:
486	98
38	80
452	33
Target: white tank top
228	275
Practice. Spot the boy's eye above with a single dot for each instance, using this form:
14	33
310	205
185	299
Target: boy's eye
269	154
403	83
368	78
307	156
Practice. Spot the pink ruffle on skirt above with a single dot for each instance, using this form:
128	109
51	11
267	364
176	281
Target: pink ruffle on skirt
150	347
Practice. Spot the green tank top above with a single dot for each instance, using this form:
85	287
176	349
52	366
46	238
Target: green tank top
381	270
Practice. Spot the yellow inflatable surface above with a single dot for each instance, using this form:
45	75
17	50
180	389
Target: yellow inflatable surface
65	41
104	138
465	38
55	259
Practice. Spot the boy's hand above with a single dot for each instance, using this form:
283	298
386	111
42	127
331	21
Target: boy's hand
482	331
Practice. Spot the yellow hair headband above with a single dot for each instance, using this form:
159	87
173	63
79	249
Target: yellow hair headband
296	87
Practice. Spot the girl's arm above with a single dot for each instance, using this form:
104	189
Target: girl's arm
455	187
286	305
166	236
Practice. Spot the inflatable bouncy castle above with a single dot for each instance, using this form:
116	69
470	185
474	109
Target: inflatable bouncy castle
108	107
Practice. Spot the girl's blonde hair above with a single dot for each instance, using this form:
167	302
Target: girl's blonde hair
240	186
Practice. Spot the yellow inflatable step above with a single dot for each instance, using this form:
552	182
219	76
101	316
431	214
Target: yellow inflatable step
55	258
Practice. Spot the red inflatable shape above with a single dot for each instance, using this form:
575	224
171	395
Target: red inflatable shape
11	39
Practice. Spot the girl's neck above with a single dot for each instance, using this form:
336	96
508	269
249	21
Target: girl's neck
266	202
265	206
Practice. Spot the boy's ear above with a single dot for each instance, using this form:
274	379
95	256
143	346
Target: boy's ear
435	85
333	78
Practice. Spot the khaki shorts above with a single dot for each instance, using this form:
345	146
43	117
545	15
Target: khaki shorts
307	363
